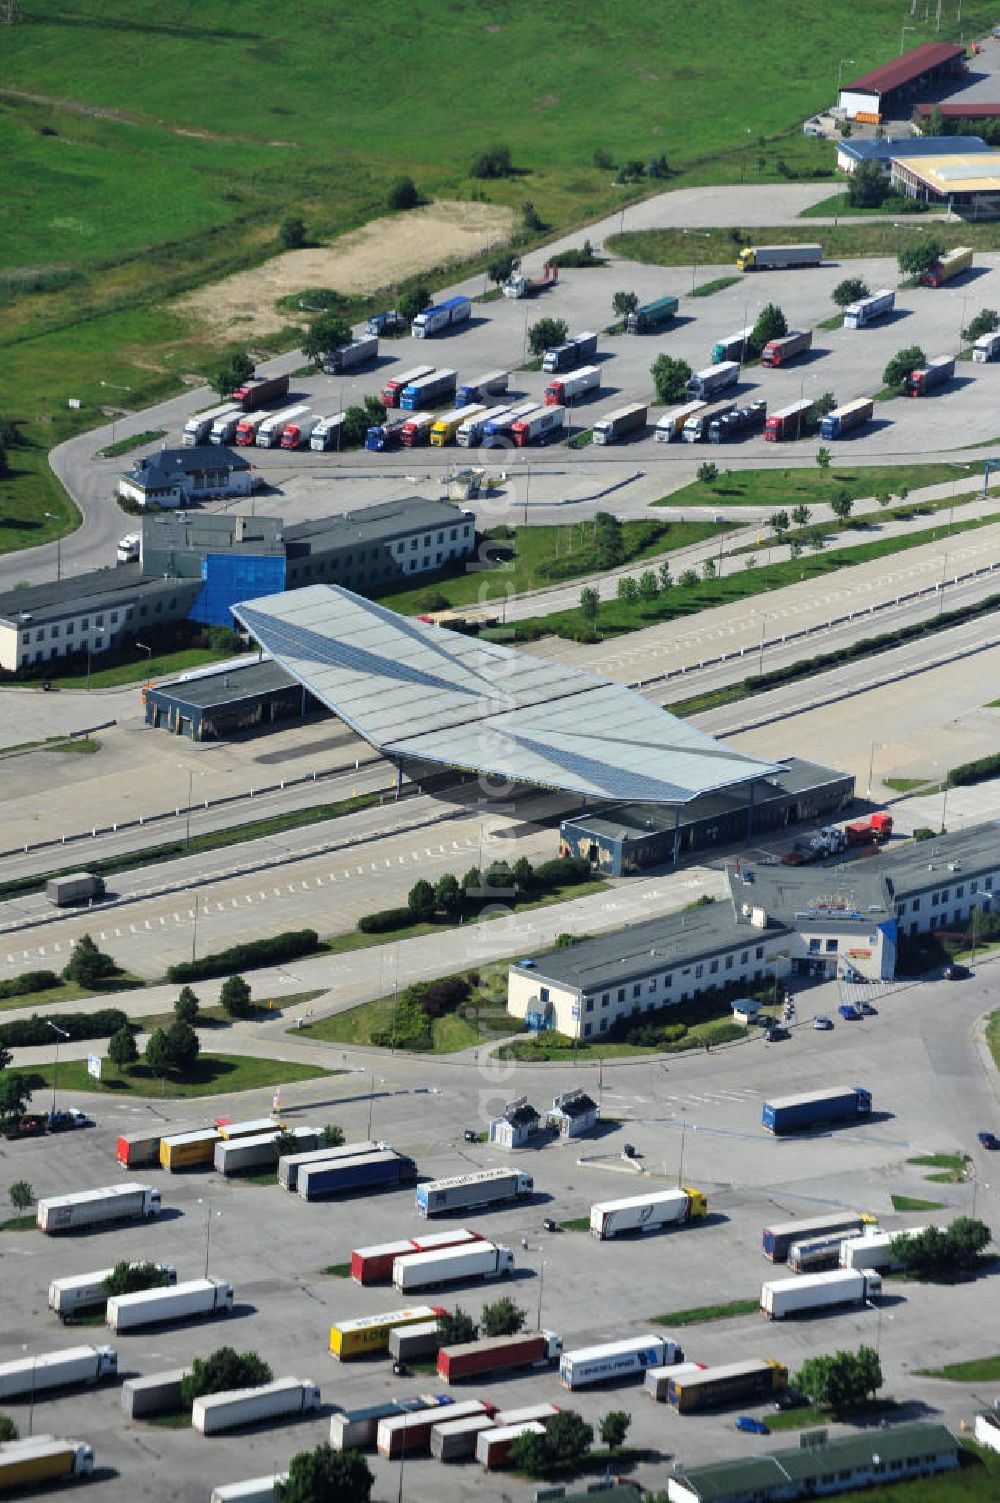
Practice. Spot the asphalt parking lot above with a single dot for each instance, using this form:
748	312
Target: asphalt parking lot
920	1057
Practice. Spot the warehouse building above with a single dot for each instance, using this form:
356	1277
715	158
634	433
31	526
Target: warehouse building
209	706
968	182
633	837
819	1467
889	93
955	114
850	152
89	614
180	477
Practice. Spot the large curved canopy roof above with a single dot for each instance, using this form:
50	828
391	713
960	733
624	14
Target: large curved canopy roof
418	692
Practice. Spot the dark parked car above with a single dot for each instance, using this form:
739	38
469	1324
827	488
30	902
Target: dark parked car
751	1426
775	1034
956	972
989	1139
25	1127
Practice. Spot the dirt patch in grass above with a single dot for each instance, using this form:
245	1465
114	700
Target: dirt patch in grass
378	255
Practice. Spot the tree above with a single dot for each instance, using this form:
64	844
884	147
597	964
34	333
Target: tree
590	602
183	1044
883	498
413	301
939	1252
234	996
914	260
568	1437
292	233
502	1318
524	875
778	523
985	322
122	1049
794	550
130	1278
841	504
529	1454
376	412
708	568
665	577
503	267
843	1381
687	579
325	333
326	1476
771	324
658	167
867	186
823	458
615	1427
902	363
632	170
403	194
448	894
628	589
87	965
850	290
8	1429
494	162
285	1142
228	377
157	1053
750	562
801	515
332	1136
609	541
21	1195
187	1006
670	378
225	1368
472	882
648	587
708	471
546	334
457	1328
5	1057
531	219
354	427
421	902
15	1093
624	303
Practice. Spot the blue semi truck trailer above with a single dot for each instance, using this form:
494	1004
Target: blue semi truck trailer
365	1172
808	1109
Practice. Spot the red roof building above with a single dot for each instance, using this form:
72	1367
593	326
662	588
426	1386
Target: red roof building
890	89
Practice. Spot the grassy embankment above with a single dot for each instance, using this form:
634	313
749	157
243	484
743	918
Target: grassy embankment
783	489
211	1075
843	242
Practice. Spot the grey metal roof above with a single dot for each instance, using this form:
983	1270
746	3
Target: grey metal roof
422	693
163	467
848	893
211	691
375	524
911	146
101	589
925	864
211	532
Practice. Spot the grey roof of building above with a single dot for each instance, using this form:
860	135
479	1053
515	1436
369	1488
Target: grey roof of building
101	589
721	1480
580	1105
925	863
374	524
520	1116
214	690
911	146
849	893
661	943
163	467
421	693
211	532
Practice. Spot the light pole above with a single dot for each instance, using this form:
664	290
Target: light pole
54	518
60	1034
112	386
902	33
209	1213
542	1264
878	1325
680	1165
760	658
149	654
98	638
375	1080
840	74
31	1410
187	826
876	746
194	927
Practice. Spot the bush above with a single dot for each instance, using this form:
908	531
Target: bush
565	871
979	771
292	233
440	997
403	194
902	363
29	1032
130	1278
670	378
494	162
385	920
28	982
546	333
248	956
225	1368
88	966
234	998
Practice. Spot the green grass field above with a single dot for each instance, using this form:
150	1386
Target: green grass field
212	1075
993	1036
842	242
915	1203
983	1370
788	488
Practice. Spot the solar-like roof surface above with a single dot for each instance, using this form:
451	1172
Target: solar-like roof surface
422	693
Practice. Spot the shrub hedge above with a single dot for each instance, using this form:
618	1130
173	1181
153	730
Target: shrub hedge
28	982
384	920
28	1032
246	957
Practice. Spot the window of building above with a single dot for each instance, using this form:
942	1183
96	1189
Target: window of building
744	956
587	1029
454	533
945	894
98	620
699	971
414	544
114	616
427	562
411	564
621	994
637	989
604	1025
427	541
400	547
590	1005
438	558
605	998
988	884
713	968
40	634
84	624
960	890
652	984
916	905
70	627
543	993
758	953
831	946
440	537
814	947
729	962
55	629
934	899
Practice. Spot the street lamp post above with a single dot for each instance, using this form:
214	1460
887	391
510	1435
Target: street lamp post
60	1033
902	34
149	654
187	825
680	1165
209	1213
840	72
98	638
54	518
541	1290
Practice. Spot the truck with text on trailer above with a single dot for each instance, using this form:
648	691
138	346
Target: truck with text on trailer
731	346
470	432
986	348
184	1150
845	419
150	1307
455	1440
416	430
577	350
372	1171
298	435
373	1265
778	257
738	423
62	1369
806	1109
357	1429
393	389
788	422
428	390
816	1254
652	315
327	433
445	429
575	384
223	430
647	1213
404	1434
450	1265
778	1238
441	316
937	372
874	1250
621	422
42	1459
780	351
713	379
493	384
248	427
110	1203
289	1164
85	1291
493	1446
370	1333
464	1192
818	1291
657	1379
728	1383
198	428
697	428
616	1359
387	435
951	265
864	312
494	1354
215	1412
498	429
538	426
670	425
346	357
271	430
260	390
